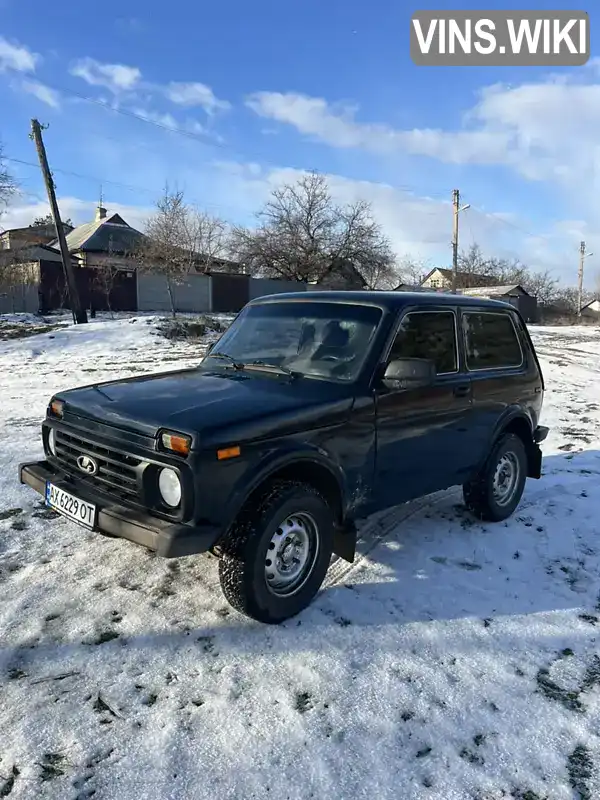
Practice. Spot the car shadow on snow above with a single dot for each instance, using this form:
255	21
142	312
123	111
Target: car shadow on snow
439	564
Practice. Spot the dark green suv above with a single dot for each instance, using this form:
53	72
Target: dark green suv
311	411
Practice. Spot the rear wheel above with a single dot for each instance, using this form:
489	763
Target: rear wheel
496	492
276	555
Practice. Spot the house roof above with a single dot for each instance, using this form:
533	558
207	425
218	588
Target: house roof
501	291
591	302
103	235
447	273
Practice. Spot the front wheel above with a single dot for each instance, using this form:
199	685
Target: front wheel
276	555
494	494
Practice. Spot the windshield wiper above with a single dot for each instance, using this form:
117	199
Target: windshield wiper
226	357
258	364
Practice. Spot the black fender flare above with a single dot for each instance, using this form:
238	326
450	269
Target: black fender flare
516	420
272	463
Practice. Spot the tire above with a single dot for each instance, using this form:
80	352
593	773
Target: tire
487	496
255	584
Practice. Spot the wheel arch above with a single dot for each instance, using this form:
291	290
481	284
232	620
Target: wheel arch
521	425
316	471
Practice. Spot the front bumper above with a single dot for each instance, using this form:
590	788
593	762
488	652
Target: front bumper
166	539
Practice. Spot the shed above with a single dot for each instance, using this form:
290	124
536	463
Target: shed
514	294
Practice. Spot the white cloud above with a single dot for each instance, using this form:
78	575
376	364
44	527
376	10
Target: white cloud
115	77
166	120
195	94
315	117
16	57
119	78
21	214
546	130
44	93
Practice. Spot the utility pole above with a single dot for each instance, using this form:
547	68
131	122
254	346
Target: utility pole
79	313
580	281
456	211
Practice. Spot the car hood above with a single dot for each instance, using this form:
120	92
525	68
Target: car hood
206	404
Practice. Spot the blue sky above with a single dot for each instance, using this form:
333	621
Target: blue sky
249	94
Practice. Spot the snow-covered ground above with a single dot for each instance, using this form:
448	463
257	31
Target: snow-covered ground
452	660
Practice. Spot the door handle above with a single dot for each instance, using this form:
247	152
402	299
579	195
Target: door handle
463	390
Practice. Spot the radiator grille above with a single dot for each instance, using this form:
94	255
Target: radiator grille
117	472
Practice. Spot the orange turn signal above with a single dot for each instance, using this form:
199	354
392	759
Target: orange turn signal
228	452
56	407
176	442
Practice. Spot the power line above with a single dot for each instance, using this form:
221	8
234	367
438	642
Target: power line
539	237
207	141
128	186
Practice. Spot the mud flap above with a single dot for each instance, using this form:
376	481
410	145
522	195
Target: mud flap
534	460
344	542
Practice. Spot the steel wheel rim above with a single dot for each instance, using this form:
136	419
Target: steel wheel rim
291	554
506	478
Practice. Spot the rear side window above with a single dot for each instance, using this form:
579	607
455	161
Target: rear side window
428	334
491	341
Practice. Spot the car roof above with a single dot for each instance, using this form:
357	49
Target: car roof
387	300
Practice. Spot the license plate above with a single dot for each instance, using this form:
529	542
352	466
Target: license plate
70	506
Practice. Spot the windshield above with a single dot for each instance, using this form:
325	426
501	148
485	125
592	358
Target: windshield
321	340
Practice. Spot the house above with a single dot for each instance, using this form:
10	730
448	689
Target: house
410	287
342	274
591	310
514	294
19	238
440	278
106	241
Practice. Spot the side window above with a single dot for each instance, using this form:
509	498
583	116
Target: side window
491	341
428	334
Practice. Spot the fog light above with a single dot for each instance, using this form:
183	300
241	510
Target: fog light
169	487
52	441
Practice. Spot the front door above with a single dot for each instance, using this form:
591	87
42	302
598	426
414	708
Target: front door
423	434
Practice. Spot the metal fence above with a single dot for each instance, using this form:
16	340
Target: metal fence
191	295
19	299
195	294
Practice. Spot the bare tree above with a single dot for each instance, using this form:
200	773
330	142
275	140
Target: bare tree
10	271
205	237
471	263
162	250
103	281
47	222
412	271
180	240
504	272
8	184
303	235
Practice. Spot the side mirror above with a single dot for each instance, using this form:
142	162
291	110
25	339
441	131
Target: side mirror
409	373
210	347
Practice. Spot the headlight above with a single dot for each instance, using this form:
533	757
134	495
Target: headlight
52	441
169	487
